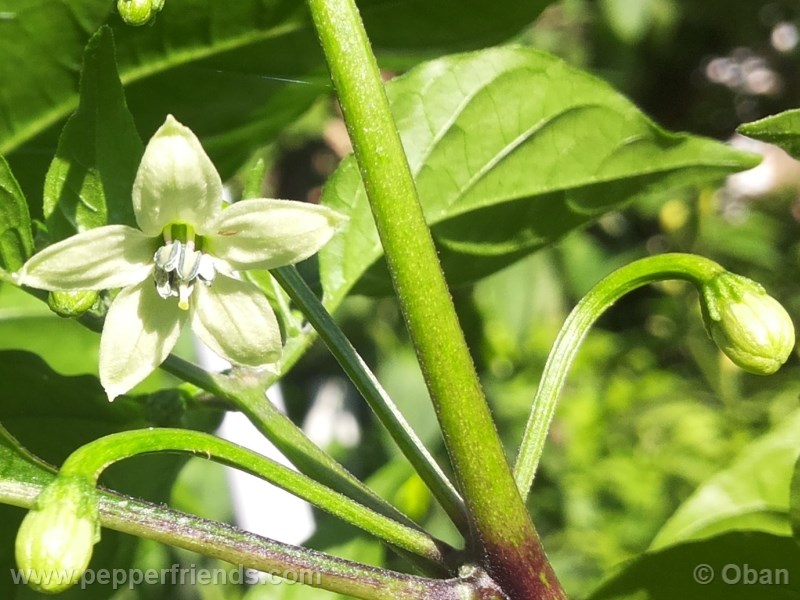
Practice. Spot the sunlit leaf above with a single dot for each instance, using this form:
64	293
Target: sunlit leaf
41	44
782	130
511	149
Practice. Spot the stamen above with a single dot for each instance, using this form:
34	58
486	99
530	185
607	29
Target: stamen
177	266
206	271
163	284
173	252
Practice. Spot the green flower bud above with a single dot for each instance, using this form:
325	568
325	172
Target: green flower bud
139	12
71	304
56	537
748	325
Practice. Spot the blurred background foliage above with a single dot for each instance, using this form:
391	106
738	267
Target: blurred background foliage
651	409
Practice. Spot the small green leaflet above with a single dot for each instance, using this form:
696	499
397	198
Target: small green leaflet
782	130
90	179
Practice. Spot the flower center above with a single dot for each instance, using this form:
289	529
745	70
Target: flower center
177	266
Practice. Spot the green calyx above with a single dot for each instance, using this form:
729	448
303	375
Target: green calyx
56	538
139	12
748	325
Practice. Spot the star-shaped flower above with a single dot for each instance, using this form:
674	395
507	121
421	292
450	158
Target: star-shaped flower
180	265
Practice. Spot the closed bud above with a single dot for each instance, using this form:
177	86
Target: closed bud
72	303
56	538
747	324
139	12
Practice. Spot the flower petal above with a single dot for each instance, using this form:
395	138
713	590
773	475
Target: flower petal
140	331
235	320
264	233
98	259
176	181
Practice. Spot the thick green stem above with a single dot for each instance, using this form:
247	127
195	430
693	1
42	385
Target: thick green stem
90	460
372	391
235	546
696	269
511	547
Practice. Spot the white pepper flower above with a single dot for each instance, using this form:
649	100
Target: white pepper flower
180	265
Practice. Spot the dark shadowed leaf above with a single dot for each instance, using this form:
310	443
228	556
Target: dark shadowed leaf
733	566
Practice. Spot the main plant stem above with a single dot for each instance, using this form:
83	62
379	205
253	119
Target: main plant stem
511	548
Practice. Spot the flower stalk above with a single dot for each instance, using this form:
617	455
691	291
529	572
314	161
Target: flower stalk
89	461
749	326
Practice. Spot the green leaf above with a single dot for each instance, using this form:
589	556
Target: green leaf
750	494
782	130
257	62
90	179
16	239
512	149
44	42
733	566
429	27
19	464
27	324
